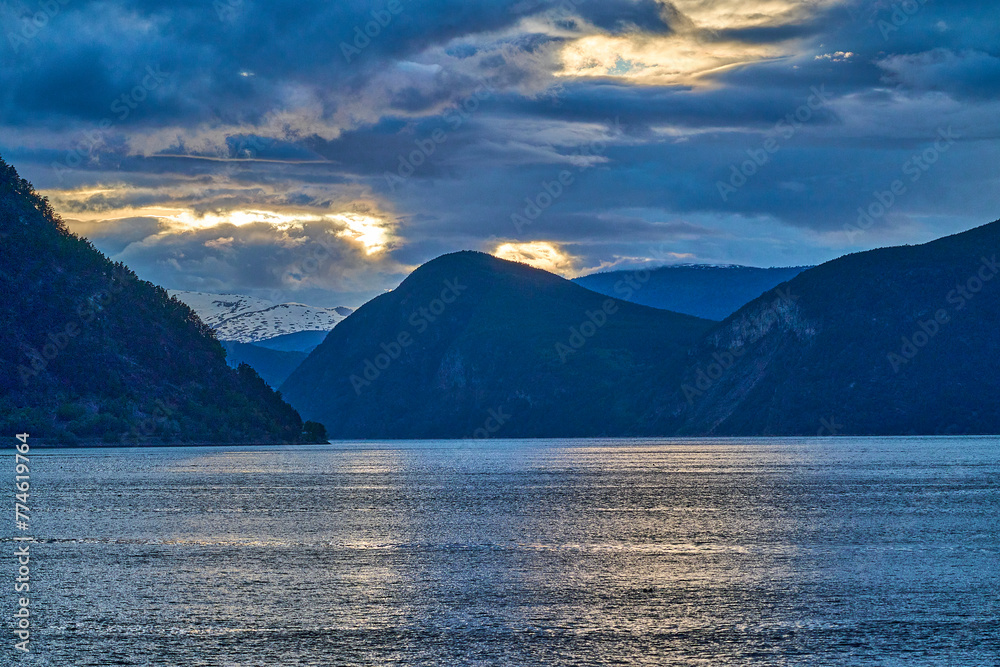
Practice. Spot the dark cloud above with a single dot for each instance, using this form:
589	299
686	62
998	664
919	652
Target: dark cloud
310	262
114	236
450	117
965	74
618	17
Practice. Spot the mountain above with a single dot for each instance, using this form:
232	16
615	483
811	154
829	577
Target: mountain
711	292
247	319
273	366
91	353
300	341
271	338
901	340
474	346
274	358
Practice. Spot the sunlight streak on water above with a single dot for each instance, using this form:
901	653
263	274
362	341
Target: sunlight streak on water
561	552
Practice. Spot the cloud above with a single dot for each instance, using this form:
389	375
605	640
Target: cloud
261	131
314	261
967	73
836	56
544	255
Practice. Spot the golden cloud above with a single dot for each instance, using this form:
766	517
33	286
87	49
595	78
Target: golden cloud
545	255
692	49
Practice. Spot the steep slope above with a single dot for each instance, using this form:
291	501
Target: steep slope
470	345
712	292
247	319
90	352
273	366
892	341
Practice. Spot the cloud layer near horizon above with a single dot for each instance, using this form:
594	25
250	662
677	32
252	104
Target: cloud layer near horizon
278	149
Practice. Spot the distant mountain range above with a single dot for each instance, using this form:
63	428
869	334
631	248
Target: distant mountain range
708	291
274	358
273	366
273	338
899	340
247	319
301	341
91	353
249	327
892	341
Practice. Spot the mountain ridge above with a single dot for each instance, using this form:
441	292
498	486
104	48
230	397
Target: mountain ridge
837	349
703	290
248	319
839	356
468	333
92	353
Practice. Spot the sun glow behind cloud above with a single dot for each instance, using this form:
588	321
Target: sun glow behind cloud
372	233
544	255
89	208
732	14
671	59
369	231
691	49
188	219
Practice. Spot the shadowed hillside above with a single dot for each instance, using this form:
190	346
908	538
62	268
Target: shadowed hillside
901	340
471	345
92	353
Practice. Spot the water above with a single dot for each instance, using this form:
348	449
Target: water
515	553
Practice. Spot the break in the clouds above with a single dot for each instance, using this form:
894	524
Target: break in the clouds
318	151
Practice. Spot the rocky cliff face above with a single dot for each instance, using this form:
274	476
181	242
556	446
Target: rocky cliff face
891	341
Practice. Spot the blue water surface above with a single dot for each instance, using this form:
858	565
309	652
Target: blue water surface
847	551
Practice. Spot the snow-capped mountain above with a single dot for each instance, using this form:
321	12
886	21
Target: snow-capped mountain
248	319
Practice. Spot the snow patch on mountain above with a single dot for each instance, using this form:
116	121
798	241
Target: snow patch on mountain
248	319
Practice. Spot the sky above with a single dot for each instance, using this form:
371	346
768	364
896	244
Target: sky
319	151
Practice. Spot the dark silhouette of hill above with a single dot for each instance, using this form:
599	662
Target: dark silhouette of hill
902	340
472	346
92	353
